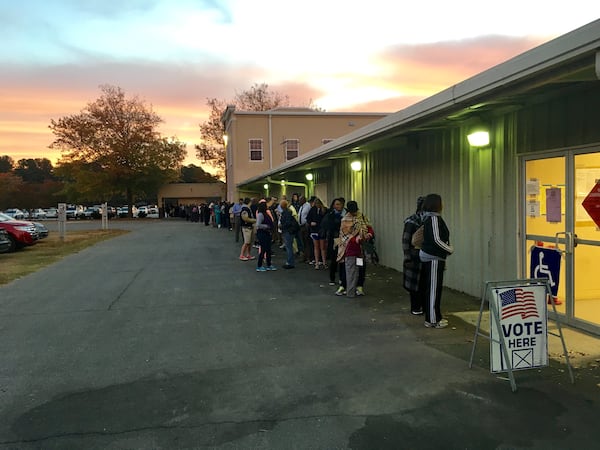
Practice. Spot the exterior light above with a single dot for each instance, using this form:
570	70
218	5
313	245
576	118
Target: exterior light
309	176
266	186
283	182
225	139
356	166
478	134
479	138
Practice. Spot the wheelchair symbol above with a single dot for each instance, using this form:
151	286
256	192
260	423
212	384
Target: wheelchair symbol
544	270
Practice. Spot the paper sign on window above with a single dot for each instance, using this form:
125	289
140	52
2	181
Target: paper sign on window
553	208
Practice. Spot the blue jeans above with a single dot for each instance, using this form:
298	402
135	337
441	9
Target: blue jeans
288	239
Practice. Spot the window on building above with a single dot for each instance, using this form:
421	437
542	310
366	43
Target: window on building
325	141
256	149
292	148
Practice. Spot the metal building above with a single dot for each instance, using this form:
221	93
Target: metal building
541	111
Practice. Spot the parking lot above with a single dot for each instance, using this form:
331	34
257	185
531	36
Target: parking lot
162	338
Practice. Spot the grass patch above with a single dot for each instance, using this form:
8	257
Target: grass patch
49	250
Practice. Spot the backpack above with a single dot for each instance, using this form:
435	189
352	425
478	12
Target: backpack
417	237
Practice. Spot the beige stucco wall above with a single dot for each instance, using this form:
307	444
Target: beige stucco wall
188	193
274	128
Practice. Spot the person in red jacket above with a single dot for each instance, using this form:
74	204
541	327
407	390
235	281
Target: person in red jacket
354	230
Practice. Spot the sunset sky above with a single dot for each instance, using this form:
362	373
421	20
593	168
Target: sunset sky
375	55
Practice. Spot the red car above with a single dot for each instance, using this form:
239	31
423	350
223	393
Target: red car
20	233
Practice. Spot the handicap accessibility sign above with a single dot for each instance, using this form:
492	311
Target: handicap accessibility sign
545	263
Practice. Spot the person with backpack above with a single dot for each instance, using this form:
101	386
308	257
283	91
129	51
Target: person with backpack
434	250
289	229
264	232
247	226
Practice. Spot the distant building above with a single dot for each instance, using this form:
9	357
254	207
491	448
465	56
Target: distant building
176	194
258	141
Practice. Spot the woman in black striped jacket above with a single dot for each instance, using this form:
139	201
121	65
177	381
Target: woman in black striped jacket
434	250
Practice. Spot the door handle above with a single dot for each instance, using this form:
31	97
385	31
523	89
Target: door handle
570	242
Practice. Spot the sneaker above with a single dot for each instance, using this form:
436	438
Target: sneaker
332	283
317	266
441	324
261	269
340	291
359	291
250	257
243	258
311	263
271	268
418	312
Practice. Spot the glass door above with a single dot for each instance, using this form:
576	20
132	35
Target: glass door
586	252
546	222
555	190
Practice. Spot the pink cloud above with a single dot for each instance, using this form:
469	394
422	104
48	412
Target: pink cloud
31	96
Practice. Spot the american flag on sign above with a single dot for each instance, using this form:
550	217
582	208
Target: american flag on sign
518	302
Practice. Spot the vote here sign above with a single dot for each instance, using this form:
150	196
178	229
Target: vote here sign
522	326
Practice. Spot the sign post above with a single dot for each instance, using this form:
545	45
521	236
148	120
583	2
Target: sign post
518	326
62	220
105	216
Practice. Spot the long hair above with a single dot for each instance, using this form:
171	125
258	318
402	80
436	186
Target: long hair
319	204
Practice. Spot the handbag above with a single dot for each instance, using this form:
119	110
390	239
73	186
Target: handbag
417	237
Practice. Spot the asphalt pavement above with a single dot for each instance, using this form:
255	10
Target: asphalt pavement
162	338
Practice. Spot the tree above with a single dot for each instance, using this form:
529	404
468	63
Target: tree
6	164
211	150
113	146
34	170
194	174
10	186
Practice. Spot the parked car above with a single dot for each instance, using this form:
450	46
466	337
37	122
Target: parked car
142	212
5	241
15	213
38	213
52	213
41	229
74	212
92	212
123	211
20	233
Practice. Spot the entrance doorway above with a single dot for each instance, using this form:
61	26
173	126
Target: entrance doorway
553	192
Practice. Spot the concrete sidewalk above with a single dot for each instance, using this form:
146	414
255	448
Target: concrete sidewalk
162	338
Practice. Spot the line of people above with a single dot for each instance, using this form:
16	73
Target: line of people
219	214
338	239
